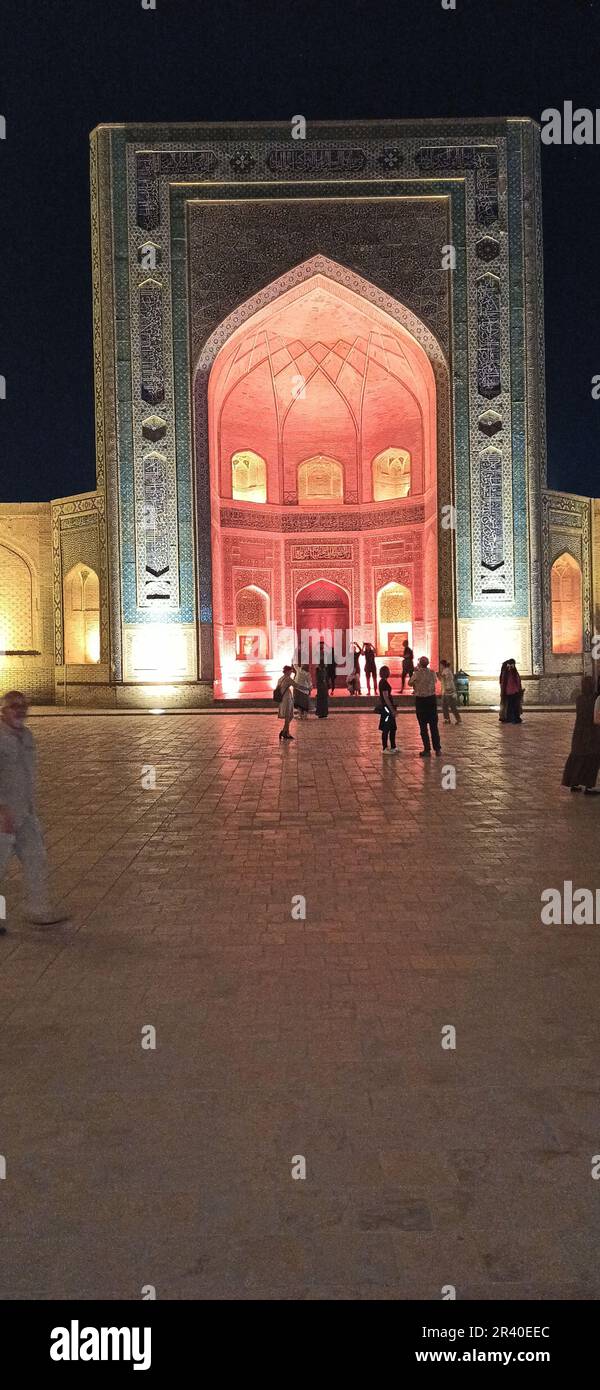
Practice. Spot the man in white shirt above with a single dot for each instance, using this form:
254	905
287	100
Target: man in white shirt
423	683
20	830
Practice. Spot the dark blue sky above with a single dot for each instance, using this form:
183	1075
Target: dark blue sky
66	65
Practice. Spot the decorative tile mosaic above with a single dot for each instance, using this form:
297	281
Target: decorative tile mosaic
481	168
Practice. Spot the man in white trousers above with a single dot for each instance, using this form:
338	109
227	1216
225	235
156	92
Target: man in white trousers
20	830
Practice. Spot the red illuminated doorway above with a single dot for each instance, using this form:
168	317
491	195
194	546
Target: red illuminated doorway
322	616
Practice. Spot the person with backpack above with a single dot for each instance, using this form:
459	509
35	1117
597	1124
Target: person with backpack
284	694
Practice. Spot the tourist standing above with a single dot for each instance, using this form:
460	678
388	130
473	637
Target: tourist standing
449	705
358	651
387	718
583	763
370	667
408	664
423	684
20	829
322	690
353	683
303	687
285	690
502	712
511	690
332	670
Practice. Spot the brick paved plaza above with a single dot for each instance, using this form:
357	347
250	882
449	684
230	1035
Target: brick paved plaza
277	1037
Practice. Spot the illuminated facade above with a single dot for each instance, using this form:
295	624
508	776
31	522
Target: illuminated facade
319	374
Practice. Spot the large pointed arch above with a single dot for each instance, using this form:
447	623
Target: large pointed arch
394	345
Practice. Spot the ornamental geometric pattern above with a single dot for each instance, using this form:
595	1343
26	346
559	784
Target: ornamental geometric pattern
491	511
488	336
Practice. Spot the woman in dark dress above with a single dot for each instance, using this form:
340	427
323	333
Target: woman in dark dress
322	690
387	720
583	763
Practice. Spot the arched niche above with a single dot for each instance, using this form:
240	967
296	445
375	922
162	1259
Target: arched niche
394	619
320	480
391	474
81	600
248	476
17	606
566	589
251	623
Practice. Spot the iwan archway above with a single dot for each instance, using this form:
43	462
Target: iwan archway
325	419
322	622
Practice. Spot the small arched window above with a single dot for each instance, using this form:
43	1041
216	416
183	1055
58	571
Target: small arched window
391	474
248	476
566	593
320	479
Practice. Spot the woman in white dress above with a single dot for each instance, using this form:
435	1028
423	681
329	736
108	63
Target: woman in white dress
285	687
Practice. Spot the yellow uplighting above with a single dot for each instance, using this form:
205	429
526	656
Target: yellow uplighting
92	645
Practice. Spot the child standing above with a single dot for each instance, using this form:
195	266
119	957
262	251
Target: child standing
449	703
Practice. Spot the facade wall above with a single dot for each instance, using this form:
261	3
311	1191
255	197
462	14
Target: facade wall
196	230
26	600
191	223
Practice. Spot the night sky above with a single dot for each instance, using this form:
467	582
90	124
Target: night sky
66	65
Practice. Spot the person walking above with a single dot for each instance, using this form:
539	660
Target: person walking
449	705
387	718
408	664
284	691
511	691
322	690
583	763
303	687
370	667
20	829
423	683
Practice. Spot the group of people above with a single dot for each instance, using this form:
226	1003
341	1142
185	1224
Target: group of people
422	681
294	687
583	763
368	651
293	691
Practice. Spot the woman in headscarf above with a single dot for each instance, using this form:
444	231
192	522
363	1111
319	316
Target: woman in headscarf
583	763
511	691
322	707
